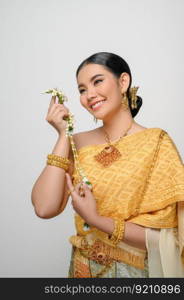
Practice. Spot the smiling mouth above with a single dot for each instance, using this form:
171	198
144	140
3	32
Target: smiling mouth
97	105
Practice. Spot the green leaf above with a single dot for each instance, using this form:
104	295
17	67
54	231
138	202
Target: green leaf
48	92
60	97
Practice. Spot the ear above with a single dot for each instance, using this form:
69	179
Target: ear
124	81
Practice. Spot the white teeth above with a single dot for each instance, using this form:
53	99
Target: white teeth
97	104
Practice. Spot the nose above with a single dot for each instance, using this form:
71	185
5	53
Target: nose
91	94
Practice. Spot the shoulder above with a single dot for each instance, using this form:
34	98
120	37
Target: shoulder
157	131
168	146
85	138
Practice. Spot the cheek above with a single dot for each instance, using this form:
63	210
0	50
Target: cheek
84	102
107	89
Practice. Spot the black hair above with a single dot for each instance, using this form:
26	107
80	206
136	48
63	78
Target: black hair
116	65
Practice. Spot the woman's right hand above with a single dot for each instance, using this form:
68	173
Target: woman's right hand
56	113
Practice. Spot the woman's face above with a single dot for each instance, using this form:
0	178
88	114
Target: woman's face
97	85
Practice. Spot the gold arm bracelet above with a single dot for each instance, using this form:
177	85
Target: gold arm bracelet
57	164
118	232
58	158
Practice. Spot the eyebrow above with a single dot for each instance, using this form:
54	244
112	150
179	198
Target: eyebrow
92	78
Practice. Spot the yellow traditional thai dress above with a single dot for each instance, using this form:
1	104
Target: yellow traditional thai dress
143	186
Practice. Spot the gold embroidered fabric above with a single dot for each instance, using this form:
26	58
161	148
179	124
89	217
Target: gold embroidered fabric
143	186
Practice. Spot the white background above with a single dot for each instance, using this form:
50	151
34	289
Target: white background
42	44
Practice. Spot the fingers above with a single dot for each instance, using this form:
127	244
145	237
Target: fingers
56	100
60	109
78	189
69	183
56	109
53	100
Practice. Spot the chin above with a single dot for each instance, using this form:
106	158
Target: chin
103	117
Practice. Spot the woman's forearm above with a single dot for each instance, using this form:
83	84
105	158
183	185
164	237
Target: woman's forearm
48	190
134	235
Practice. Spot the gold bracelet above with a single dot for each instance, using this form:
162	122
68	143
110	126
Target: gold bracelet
58	158
118	232
61	162
57	164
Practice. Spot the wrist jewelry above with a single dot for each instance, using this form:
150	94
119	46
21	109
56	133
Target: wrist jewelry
118	232
55	157
57	164
58	161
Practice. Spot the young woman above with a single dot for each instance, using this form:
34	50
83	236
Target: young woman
131	223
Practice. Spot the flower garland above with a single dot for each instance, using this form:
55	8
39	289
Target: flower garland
69	132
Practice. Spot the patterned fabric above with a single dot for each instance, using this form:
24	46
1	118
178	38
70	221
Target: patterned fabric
142	186
80	268
91	247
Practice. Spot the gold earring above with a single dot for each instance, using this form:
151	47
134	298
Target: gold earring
133	96
124	101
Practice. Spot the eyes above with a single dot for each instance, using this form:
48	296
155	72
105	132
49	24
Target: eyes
95	82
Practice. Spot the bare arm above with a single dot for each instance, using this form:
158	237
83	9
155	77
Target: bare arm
49	194
134	234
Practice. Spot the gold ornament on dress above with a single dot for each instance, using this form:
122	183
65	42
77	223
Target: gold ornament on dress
95	249
98	252
110	153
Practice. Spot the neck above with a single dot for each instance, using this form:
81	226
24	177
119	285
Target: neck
118	124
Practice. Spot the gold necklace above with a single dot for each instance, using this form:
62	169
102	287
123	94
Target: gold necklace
110	153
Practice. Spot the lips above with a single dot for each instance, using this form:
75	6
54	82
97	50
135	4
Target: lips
98	105
91	104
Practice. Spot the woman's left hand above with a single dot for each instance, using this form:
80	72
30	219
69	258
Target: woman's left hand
84	205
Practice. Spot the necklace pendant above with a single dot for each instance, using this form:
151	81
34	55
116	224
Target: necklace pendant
108	155
108	149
